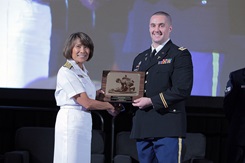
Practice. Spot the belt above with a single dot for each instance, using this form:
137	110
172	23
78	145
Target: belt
76	107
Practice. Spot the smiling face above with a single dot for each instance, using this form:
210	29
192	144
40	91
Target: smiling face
79	47
80	52
160	28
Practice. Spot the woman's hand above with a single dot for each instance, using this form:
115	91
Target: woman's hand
115	110
100	94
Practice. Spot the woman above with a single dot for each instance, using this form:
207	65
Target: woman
75	94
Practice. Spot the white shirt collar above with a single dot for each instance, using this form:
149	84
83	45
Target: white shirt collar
160	46
77	69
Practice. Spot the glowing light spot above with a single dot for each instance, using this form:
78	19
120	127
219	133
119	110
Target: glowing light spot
204	2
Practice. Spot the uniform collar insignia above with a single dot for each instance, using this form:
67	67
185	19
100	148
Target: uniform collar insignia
160	56
137	66
146	56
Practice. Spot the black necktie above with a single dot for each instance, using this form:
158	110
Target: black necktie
152	54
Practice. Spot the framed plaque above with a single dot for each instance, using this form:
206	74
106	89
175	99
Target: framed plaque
122	86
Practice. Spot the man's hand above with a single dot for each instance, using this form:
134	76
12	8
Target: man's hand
142	102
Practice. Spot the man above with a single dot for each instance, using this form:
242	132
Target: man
234	107
159	124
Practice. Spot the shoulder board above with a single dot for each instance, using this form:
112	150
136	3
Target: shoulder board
182	48
68	65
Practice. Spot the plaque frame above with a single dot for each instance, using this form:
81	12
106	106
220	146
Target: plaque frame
122	86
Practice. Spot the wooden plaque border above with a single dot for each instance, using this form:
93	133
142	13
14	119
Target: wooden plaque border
122	86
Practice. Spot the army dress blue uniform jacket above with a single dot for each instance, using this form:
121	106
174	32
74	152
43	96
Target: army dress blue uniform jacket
234	107
168	82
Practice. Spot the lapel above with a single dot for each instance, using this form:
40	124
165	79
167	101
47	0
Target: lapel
159	56
77	70
145	60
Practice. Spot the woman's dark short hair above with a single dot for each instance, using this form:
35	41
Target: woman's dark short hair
70	43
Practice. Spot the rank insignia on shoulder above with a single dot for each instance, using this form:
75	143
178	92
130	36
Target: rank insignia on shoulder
68	65
182	48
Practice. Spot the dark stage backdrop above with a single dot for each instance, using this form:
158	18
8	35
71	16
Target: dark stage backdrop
33	32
